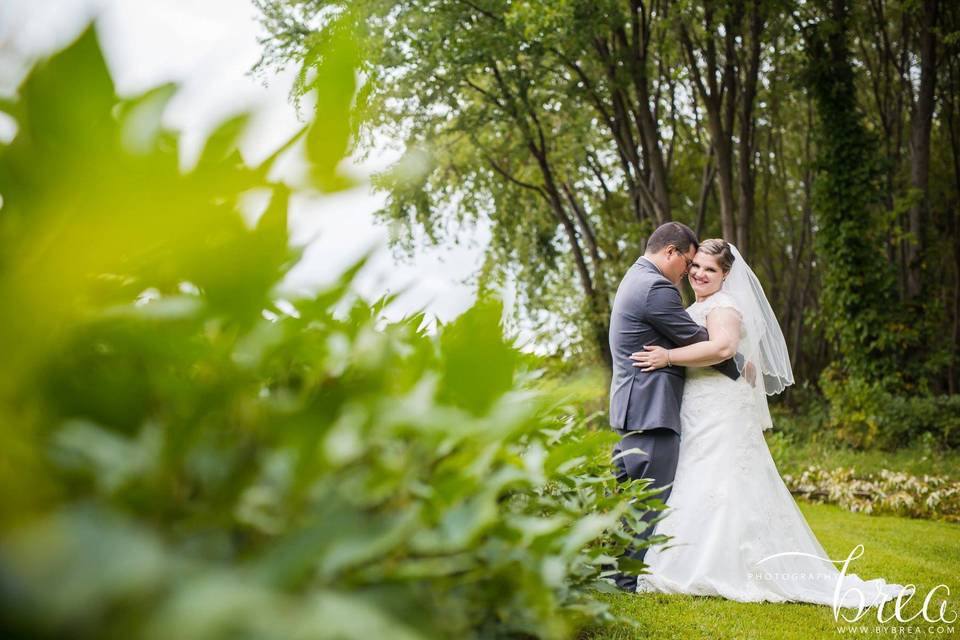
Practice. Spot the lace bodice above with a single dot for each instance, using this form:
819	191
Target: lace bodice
700	310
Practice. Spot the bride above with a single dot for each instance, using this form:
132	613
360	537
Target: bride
736	530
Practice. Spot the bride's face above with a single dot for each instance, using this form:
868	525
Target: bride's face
706	276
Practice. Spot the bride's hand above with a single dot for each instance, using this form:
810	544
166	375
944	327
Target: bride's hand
750	371
650	359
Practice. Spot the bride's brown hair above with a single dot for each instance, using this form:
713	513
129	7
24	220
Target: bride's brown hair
721	249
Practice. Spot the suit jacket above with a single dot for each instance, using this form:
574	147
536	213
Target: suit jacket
648	310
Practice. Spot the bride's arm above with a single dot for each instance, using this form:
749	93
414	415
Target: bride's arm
723	325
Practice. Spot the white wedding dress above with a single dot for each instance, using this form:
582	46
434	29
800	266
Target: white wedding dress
729	511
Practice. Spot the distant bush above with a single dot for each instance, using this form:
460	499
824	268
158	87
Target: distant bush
185	456
867	415
805	418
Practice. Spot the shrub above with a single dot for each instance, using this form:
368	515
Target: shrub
867	415
194	458
805	418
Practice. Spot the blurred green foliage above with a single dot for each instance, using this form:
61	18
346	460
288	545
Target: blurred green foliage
183	457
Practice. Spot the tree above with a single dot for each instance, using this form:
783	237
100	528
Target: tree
572	129
857	295
723	54
557	111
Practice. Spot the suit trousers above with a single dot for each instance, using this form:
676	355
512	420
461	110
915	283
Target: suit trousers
658	461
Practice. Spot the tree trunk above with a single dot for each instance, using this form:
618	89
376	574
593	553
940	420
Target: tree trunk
720	102
952	121
746	173
920	125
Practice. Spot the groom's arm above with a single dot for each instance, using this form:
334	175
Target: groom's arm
665	312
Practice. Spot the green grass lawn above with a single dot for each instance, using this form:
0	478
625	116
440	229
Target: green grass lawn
793	456
922	552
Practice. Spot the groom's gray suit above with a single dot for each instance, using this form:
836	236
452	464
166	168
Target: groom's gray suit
645	407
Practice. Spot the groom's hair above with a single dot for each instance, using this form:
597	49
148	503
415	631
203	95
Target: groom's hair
672	233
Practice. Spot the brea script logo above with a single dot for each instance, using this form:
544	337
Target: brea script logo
864	602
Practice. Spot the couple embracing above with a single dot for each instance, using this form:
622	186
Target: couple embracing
689	398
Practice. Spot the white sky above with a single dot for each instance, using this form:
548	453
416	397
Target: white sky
208	46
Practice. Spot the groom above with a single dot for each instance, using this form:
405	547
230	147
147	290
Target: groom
645	407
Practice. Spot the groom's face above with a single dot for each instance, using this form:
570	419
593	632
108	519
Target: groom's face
678	263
